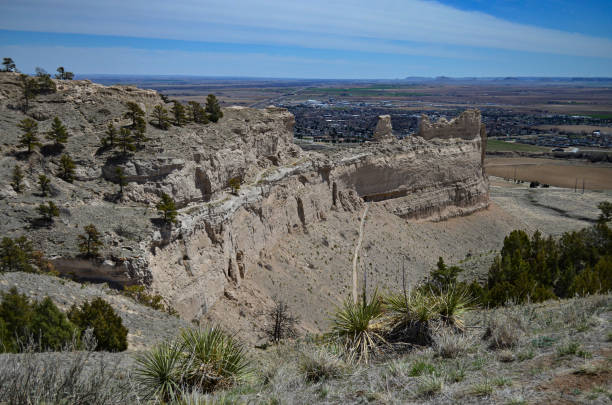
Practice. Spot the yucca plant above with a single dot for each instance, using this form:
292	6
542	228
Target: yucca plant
160	370
213	359
452	306
410	316
358	327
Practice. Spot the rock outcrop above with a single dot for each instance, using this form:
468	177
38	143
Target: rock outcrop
383	131
220	236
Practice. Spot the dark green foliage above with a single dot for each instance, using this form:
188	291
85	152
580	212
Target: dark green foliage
44	83
16	255
30	89
67	167
139	125
29	138
111	136
606	211
17	182
58	133
197	113
63	74
107	326
48	211
161	115
125	141
23	322
50	327
91	242
167	208
120	179
443	277
212	108
45	185
135	113
16	315
178	110
540	268
9	65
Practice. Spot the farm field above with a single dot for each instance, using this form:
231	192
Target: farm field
494	145
559	173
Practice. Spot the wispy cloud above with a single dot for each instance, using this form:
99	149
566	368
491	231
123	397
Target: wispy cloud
391	26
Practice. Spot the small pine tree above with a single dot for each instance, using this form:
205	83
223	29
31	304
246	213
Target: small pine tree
213	109
197	113
125	141
29	138
167	208
161	115
44	83
120	179
63	74
67	167
58	133
48	211
111	136
139	133
16	255
178	110
45	185
107	326
9	65
29	86
91	242
17	182
605	215
135	113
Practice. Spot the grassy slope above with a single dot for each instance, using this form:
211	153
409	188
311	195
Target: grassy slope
562	355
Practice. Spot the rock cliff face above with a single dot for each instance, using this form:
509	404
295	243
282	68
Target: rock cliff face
220	237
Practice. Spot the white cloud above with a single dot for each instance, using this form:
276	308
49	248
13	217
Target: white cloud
323	24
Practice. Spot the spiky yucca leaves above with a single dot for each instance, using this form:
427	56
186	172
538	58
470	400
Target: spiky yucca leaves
358	327
452	305
410	317
214	359
160	371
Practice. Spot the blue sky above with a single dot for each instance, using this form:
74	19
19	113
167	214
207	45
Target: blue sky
311	39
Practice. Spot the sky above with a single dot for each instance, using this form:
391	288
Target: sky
327	39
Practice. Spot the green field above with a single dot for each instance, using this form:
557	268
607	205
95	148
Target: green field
601	116
495	145
373	91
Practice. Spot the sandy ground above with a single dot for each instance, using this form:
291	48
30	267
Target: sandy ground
311	270
560	173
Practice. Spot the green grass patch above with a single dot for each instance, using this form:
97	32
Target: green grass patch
495	145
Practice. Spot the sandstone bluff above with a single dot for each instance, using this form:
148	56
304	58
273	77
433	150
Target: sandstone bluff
223	243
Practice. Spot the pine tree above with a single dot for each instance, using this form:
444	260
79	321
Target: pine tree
167	208
63	74
91	242
234	183
48	211
9	65
125	141
120	179
16	255
197	113
29	86
16	312
58	133
213	109
161	115
178	110
139	133
67	167
17	182
29	138
44	184
134	113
